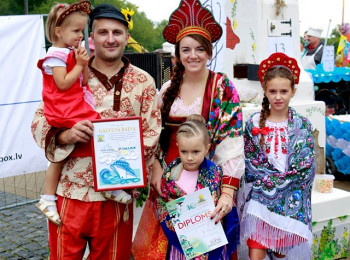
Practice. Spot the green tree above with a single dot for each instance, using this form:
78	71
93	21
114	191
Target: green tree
145	32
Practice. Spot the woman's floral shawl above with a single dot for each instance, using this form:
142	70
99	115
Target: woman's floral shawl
209	176
281	200
225	116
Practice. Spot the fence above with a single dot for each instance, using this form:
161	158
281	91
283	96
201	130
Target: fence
21	189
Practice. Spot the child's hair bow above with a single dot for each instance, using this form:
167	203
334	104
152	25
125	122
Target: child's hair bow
263	131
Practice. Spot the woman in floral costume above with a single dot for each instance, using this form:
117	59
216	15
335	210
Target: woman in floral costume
280	168
194	89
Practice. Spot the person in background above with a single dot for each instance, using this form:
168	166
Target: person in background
313	50
194	89
275	198
168	47
120	90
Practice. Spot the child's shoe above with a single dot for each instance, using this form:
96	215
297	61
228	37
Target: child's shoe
47	205
118	196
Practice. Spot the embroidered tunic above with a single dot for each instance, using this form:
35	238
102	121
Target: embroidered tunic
276	203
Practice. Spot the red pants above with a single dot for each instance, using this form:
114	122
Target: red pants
100	224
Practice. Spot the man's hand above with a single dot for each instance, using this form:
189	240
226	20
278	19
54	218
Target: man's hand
80	132
156	177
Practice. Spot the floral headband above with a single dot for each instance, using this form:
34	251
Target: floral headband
279	59
191	18
83	6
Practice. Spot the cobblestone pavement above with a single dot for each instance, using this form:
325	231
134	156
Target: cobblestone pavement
23	233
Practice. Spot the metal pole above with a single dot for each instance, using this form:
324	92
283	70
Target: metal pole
25	6
325	40
86	37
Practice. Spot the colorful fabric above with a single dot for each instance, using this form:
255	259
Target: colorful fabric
150	241
225	117
209	176
63	109
102	222
277	208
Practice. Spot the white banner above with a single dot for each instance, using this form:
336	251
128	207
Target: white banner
22	43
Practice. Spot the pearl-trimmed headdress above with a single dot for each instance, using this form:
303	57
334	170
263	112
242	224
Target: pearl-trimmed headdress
191	18
279	59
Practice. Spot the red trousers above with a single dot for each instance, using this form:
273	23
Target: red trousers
99	224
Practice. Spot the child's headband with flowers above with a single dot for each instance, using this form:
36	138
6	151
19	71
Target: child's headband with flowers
279	59
83	6
191	18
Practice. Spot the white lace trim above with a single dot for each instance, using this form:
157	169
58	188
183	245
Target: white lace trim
179	108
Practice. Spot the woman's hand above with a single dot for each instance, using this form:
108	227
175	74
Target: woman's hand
80	132
224	205
156	177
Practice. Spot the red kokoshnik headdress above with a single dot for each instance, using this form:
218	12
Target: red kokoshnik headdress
83	6
191	18
279	59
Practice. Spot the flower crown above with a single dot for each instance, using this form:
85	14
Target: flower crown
279	59
83	6
128	13
191	18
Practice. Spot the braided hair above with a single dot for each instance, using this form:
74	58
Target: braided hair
195	125
173	90
274	72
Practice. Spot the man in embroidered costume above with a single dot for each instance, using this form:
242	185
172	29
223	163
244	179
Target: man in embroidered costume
120	90
194	89
275	202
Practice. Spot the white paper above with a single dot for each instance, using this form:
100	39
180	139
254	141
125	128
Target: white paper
197	233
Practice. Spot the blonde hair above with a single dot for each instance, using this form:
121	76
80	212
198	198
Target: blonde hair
54	14
275	72
194	125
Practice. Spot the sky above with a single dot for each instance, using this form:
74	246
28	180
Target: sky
314	13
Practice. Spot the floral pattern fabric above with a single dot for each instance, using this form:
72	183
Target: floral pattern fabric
278	203
225	117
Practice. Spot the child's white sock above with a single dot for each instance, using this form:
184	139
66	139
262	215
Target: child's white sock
52	198
126	196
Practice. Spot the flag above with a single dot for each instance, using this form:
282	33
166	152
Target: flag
342	43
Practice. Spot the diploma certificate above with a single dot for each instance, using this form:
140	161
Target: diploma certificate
118	154
197	233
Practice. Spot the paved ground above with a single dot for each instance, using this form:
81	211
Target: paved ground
23	229
23	233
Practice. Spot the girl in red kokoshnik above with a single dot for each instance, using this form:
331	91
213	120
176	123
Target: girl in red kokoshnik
280	168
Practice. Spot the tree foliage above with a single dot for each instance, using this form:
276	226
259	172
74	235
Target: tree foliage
145	32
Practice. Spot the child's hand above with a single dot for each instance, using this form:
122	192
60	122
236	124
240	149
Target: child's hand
81	56
135	193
